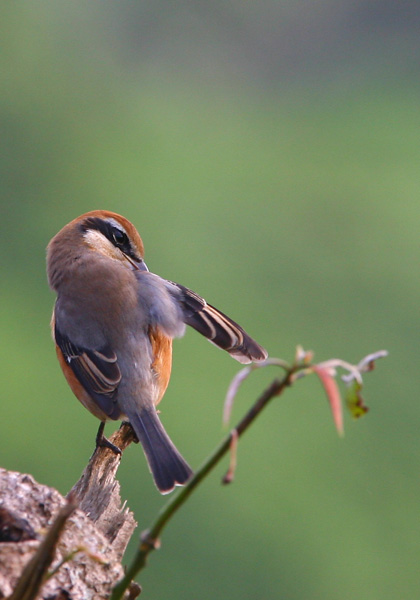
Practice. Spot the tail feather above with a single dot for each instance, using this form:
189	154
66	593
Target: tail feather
165	462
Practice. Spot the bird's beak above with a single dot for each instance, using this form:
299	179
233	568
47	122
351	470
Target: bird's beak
142	266
137	265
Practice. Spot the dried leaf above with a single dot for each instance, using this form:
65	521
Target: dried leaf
228	478
232	391
354	400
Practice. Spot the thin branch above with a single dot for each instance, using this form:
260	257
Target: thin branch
150	538
302	366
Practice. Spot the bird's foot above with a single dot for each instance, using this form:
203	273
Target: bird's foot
103	442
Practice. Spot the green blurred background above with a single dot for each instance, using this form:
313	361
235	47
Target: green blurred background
269	154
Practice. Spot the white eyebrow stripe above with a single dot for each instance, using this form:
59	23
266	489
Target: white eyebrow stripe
116	224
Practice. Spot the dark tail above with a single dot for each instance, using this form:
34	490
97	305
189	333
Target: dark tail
165	462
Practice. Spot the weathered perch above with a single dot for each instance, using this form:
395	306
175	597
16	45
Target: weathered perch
85	561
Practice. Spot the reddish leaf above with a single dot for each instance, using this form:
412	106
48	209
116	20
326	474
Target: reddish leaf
333	395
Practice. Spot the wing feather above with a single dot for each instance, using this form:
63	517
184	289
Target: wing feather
217	327
97	371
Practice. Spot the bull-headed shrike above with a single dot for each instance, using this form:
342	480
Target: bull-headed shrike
113	324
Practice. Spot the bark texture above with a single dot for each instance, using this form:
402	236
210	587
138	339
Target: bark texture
86	559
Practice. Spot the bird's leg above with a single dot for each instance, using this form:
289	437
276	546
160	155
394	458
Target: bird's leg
103	442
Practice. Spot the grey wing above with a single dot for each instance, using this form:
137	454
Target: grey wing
97	371
217	327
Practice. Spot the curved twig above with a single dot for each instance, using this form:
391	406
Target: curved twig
150	538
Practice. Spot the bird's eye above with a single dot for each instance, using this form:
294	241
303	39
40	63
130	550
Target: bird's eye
120	238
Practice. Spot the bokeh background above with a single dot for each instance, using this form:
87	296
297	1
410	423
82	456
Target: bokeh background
269	154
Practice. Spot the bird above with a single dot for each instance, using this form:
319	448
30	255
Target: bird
113	323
